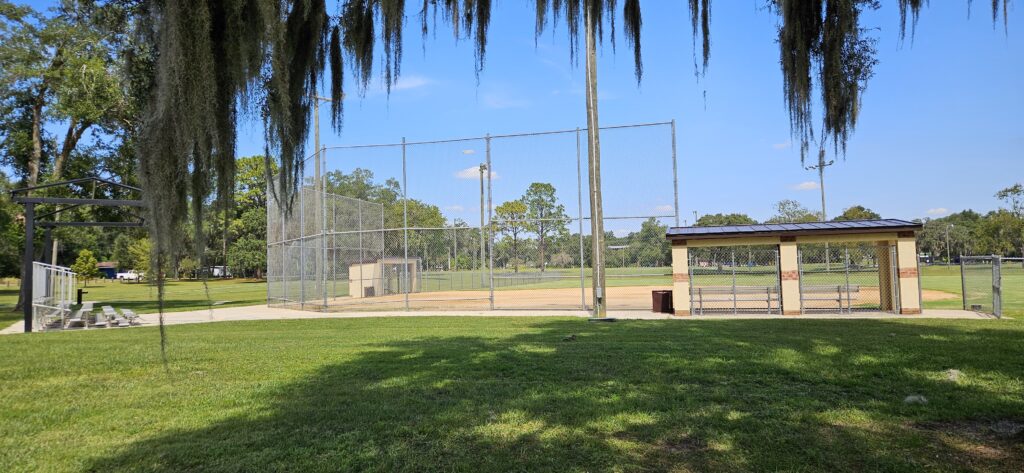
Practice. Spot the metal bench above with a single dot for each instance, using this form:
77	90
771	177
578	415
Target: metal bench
830	293
709	298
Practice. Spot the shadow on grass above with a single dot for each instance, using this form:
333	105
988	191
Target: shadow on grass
711	396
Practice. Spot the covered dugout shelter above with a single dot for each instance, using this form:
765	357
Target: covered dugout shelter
792	269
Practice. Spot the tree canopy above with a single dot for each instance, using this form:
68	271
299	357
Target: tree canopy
857	212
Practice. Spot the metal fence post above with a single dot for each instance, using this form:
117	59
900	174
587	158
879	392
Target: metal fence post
997	286
963	281
732	255
490	228
302	248
579	219
405	227
675	172
322	264
849	298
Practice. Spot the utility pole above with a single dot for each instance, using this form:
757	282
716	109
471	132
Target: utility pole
821	184
948	259
594	172
821	178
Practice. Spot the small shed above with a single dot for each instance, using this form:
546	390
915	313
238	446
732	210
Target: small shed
797	268
108	269
384	277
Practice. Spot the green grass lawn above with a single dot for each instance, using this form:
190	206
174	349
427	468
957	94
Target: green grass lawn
508	394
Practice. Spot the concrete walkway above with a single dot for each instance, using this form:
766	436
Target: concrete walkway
262	312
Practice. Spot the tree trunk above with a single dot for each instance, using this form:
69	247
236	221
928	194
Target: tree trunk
36	159
71	139
515	253
541	245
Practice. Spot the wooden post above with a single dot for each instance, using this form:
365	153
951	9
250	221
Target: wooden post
594	173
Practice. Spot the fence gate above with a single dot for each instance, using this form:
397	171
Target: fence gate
982	281
735	280
848	277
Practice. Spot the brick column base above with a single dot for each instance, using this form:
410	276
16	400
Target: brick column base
682	313
791	312
910	311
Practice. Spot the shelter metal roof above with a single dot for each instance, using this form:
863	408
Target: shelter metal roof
793	229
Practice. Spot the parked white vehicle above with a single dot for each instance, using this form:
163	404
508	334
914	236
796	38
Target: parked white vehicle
131	275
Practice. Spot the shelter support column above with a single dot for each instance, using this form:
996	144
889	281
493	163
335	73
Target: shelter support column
909	280
680	278
789	275
886	297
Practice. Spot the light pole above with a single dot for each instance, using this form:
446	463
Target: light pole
948	259
821	178
821	184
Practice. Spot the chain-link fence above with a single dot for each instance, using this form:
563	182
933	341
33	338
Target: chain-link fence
492	222
735	280
848	277
991	284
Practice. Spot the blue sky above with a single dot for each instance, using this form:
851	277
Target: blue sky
941	128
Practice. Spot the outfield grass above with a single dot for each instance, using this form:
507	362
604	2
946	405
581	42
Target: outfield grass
501	394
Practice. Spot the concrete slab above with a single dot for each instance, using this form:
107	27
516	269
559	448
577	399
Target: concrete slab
262	312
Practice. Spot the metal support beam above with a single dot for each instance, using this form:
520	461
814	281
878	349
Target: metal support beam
72	201
90	224
26	263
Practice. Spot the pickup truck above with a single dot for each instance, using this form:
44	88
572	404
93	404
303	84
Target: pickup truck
130	276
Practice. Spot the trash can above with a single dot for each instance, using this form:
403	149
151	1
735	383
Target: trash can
661	302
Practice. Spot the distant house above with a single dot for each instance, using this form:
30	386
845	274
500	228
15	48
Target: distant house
108	269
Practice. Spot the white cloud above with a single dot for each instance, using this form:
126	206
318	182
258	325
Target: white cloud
781	146
473	172
665	208
410	82
455	208
805	186
469	151
938	211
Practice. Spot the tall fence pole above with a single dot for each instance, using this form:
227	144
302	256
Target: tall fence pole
302	247
322	264
405	226
997	286
490	216
579	218
963	282
675	172
483	251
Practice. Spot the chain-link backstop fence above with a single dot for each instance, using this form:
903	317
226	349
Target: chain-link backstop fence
492	222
